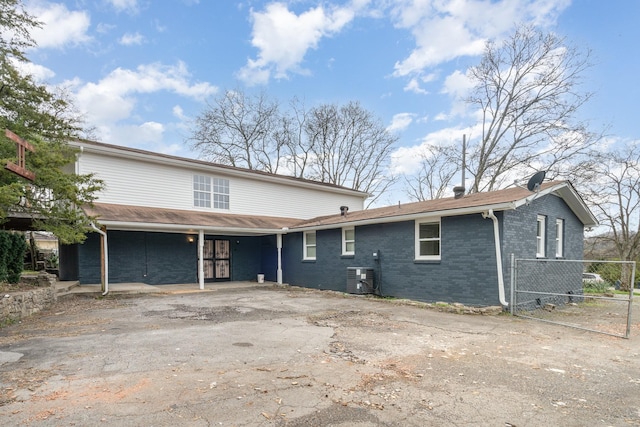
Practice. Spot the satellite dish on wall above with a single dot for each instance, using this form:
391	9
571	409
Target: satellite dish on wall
536	180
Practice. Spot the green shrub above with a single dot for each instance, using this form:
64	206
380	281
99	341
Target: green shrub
15	261
594	287
4	254
12	250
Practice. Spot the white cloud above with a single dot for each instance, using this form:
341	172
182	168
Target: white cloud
104	28
145	133
283	38
449	29
406	160
130	39
400	121
178	112
130	6
115	97
457	84
38	72
414	86
147	136
61	26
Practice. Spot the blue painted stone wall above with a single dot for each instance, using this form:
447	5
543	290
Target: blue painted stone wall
89	259
269	258
246	257
68	262
467	271
519	238
519	235
161	258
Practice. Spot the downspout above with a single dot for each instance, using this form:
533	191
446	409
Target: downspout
105	247
496	238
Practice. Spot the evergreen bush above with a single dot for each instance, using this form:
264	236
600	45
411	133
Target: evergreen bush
15	261
12	250
4	255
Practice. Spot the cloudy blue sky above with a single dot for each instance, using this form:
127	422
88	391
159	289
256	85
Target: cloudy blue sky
140	70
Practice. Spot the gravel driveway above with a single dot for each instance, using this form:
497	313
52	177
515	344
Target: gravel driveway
294	357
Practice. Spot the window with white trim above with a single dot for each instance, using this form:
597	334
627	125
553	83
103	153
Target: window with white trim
348	241
309	245
427	240
208	192
201	191
559	238
540	236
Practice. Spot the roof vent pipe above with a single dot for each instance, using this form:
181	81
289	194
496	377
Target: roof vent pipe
343	210
459	191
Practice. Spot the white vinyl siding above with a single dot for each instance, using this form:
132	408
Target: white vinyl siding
348	241
309	245
136	182
427	240
559	238
541	232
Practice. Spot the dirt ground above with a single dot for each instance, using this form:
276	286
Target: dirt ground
293	357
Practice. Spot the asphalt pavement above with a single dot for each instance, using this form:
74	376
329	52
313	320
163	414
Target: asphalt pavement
279	356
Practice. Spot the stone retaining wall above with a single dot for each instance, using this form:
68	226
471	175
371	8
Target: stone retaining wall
17	305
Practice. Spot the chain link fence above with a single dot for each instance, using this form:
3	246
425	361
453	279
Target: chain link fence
590	295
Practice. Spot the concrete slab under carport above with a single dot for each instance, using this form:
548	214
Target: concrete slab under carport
75	288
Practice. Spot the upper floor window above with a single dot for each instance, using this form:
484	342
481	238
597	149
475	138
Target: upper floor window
540	236
208	192
559	238
201	191
428	240
348	241
309	245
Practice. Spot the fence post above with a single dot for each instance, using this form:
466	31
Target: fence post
631	290
513	283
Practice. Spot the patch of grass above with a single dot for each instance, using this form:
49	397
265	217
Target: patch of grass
593	287
7	322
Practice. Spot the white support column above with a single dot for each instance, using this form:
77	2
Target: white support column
279	273
201	258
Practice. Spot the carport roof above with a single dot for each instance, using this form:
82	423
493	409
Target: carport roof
126	217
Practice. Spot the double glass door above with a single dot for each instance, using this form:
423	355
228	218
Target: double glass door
217	260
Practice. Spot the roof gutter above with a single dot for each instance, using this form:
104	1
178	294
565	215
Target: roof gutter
187	228
496	238
408	217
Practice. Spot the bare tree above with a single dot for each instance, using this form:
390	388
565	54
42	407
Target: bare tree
438	166
238	130
527	93
297	157
614	194
350	148
343	145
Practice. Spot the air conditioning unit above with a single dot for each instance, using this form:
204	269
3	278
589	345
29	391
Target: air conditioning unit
360	280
